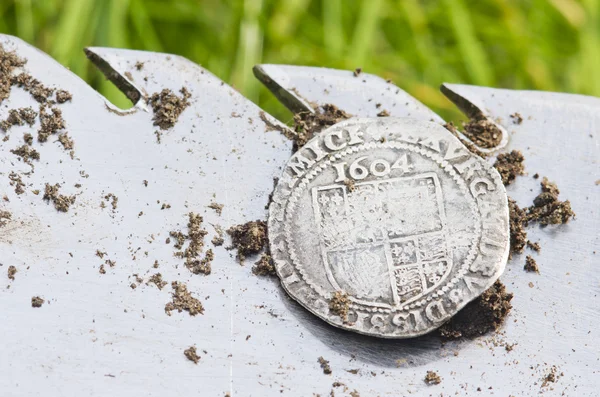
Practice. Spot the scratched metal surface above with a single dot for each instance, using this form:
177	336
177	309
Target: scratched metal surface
98	336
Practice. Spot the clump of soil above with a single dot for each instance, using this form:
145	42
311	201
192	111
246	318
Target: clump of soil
61	202
218	240
63	96
547	209
19	117
28	138
482	132
432	378
50	123
307	124
517	224
509	165
357	72
202	266
183	300
36	89
551	377
66	141
533	246
17	182
452	128
516	118
4	217
9	61
190	354
157	280
26	154
383	113
484	314
217	207
11	272
350	184
37	301
339	304
195	247
114	201
167	107
264	266
324	365
531	265
249	238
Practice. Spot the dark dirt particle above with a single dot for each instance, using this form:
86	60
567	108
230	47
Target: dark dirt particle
139	65
383	113
63	96
167	107
510	165
531	265
536	175
190	354
482	132
102	270
357	72
516	118
183	300
484	314
61	202
324	365
307	124
5	216
11	272
339	304
157	280
432	378
37	301
28	138
19	117
264	266
249	238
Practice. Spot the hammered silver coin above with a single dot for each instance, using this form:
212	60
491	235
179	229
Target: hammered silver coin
388	226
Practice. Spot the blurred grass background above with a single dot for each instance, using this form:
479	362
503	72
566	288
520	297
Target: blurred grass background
529	44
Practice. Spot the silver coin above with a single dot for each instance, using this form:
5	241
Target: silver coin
388	226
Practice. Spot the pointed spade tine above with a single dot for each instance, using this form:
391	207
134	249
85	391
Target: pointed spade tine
130	183
473	108
559	136
301	88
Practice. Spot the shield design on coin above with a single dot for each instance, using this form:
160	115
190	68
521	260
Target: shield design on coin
383	242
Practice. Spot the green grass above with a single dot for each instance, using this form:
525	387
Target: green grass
533	44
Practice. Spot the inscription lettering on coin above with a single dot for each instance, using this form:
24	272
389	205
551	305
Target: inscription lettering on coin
395	214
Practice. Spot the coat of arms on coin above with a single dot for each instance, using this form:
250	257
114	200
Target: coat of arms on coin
388	227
